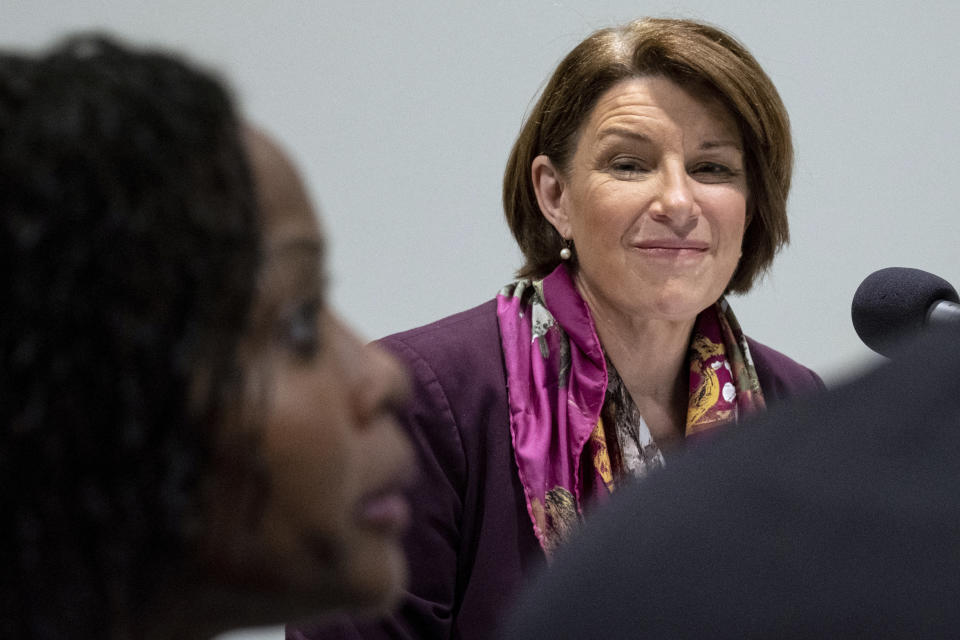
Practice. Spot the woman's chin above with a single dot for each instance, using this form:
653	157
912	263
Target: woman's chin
375	576
365	585
354	571
684	300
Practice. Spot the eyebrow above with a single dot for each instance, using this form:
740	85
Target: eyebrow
299	245
719	144
309	255
706	145
611	132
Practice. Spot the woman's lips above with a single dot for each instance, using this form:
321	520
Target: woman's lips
387	511
672	243
672	248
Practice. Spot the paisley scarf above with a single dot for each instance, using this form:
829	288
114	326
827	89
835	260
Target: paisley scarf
558	381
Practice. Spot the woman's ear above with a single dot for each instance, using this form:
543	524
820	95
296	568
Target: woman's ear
548	185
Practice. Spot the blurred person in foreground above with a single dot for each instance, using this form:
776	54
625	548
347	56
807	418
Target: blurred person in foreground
649	180
837	516
191	440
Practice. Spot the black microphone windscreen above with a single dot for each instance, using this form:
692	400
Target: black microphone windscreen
892	303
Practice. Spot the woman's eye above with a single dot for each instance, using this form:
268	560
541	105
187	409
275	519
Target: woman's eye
713	172
301	333
626	166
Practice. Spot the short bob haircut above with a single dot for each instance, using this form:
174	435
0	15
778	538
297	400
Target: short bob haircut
702	59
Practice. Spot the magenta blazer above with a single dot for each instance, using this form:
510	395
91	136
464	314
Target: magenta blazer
471	544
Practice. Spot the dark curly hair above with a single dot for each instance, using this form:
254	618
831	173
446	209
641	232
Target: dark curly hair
128	252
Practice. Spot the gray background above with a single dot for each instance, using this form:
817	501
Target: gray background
402	114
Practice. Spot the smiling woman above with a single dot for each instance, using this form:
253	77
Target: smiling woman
654	201
650	178
190	439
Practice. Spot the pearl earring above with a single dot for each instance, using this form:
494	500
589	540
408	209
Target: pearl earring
565	253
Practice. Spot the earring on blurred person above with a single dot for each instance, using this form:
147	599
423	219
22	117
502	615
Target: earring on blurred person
566	253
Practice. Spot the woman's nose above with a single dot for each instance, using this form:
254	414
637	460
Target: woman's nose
676	205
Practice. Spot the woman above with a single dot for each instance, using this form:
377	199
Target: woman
191	440
650	178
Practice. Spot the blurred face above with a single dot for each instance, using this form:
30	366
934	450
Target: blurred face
654	200
324	520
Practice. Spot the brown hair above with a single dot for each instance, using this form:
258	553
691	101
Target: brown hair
699	57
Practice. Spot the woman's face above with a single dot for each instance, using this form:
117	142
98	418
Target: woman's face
654	200
323	521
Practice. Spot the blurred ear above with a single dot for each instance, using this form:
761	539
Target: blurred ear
548	185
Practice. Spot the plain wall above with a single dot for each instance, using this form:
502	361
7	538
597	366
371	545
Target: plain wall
402	114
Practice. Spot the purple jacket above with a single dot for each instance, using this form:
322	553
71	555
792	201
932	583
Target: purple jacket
471	544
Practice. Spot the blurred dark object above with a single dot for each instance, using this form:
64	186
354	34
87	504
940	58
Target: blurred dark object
835	516
895	303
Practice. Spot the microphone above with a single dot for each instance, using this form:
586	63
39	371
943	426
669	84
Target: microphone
895	302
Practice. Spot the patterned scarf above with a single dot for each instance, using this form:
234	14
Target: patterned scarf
563	394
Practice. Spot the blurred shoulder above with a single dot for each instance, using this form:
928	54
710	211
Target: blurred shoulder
470	337
780	376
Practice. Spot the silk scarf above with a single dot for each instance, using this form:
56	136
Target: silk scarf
557	382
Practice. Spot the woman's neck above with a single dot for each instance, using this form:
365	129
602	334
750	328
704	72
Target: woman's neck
650	355
186	609
189	607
